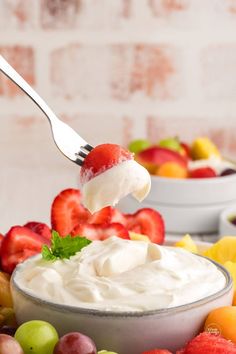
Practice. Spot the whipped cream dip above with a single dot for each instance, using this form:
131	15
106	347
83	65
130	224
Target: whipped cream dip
115	183
122	275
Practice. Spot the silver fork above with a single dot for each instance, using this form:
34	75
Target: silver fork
67	140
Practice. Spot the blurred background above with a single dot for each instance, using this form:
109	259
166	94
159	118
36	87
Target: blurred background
115	70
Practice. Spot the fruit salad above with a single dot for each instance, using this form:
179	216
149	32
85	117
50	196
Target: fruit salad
173	158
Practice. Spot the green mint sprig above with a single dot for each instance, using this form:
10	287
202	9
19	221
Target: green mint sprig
63	247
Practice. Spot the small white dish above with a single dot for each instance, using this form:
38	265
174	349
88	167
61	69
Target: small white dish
226	228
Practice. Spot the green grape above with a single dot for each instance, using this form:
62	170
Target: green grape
37	337
138	145
170	143
105	352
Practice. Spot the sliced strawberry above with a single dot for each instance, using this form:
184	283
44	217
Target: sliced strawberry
19	244
101	158
202	172
67	211
117	216
101	232
40	228
107	215
148	222
102	216
207	343
157	351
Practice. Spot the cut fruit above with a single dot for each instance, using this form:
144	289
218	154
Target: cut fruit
67	211
5	292
222	251
101	231
138	237
207	343
187	243
202	172
231	267
101	158
156	156
147	222
40	228
19	244
203	148
172	170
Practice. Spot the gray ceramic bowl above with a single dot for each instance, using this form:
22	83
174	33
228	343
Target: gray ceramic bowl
124	332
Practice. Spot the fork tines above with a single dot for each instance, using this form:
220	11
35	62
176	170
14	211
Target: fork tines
84	150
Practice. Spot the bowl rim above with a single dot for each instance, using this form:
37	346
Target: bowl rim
131	314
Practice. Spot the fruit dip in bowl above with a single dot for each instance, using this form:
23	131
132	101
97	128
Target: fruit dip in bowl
190	187
113	289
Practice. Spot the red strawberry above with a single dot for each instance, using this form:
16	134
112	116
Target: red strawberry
101	232
102	216
107	215
40	228
207	343
202	172
101	158
148	222
117	216
19	244
67	212
157	351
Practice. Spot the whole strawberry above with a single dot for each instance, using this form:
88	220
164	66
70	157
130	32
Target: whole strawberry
207	343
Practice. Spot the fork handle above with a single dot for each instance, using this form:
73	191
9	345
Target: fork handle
8	70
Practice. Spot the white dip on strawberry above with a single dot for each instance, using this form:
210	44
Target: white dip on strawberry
122	275
108	174
115	183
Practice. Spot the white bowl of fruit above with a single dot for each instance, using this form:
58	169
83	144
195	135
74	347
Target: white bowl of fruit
191	184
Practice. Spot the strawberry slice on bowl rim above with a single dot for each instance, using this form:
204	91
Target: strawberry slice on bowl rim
19	244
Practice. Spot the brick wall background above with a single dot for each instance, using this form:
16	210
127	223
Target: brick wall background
114	70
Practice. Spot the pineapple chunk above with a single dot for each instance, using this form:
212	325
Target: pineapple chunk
187	243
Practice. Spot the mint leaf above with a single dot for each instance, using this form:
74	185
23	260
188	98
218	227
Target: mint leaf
63	247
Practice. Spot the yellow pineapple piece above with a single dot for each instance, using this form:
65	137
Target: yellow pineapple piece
203	148
223	251
5	292
187	243
138	237
231	267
